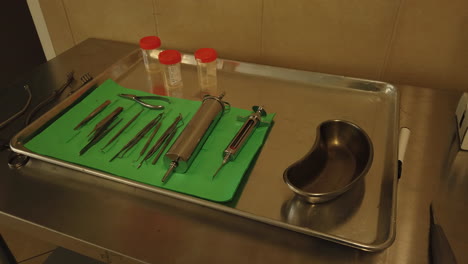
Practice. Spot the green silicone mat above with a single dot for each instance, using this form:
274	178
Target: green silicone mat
60	141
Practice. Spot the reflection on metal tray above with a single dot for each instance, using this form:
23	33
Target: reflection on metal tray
363	218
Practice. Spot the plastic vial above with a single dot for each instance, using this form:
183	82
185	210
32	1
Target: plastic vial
170	60
150	49
206	65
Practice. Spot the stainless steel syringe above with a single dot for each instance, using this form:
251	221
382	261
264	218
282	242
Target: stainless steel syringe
184	150
239	140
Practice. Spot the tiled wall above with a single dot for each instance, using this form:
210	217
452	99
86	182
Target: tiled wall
417	42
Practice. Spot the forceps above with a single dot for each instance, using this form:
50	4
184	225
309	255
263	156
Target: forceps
139	99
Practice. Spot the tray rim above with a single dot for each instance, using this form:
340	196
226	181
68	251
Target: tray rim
128	62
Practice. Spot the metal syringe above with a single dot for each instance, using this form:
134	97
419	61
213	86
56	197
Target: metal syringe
184	150
239	140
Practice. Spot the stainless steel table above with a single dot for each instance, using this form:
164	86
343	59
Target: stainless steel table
80	212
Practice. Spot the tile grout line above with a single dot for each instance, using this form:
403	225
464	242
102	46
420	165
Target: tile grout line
391	41
68	22
38	255
261	29
155	17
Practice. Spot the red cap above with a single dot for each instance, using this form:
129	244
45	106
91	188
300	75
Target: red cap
169	57
206	55
150	42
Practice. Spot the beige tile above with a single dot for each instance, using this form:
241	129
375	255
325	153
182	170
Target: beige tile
340	37
24	246
431	45
57	25
231	27
120	20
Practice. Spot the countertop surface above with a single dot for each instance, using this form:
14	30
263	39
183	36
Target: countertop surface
79	211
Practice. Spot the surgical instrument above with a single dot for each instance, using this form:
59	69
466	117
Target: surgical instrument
85	78
130	144
156	129
106	119
16	160
55	95
139	99
244	133
18	114
93	114
166	143
122	129
145	131
100	135
161	139
184	150
104	126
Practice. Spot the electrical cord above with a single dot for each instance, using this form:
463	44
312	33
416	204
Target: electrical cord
21	112
55	94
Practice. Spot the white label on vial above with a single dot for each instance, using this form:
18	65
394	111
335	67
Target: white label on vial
174	75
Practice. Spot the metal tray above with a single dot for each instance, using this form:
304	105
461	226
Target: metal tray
362	218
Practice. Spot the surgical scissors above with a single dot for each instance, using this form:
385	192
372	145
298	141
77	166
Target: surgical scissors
139	99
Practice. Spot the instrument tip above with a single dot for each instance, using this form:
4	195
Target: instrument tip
113	158
169	171
216	173
225	160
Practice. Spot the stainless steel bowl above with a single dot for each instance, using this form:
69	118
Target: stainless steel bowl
341	156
